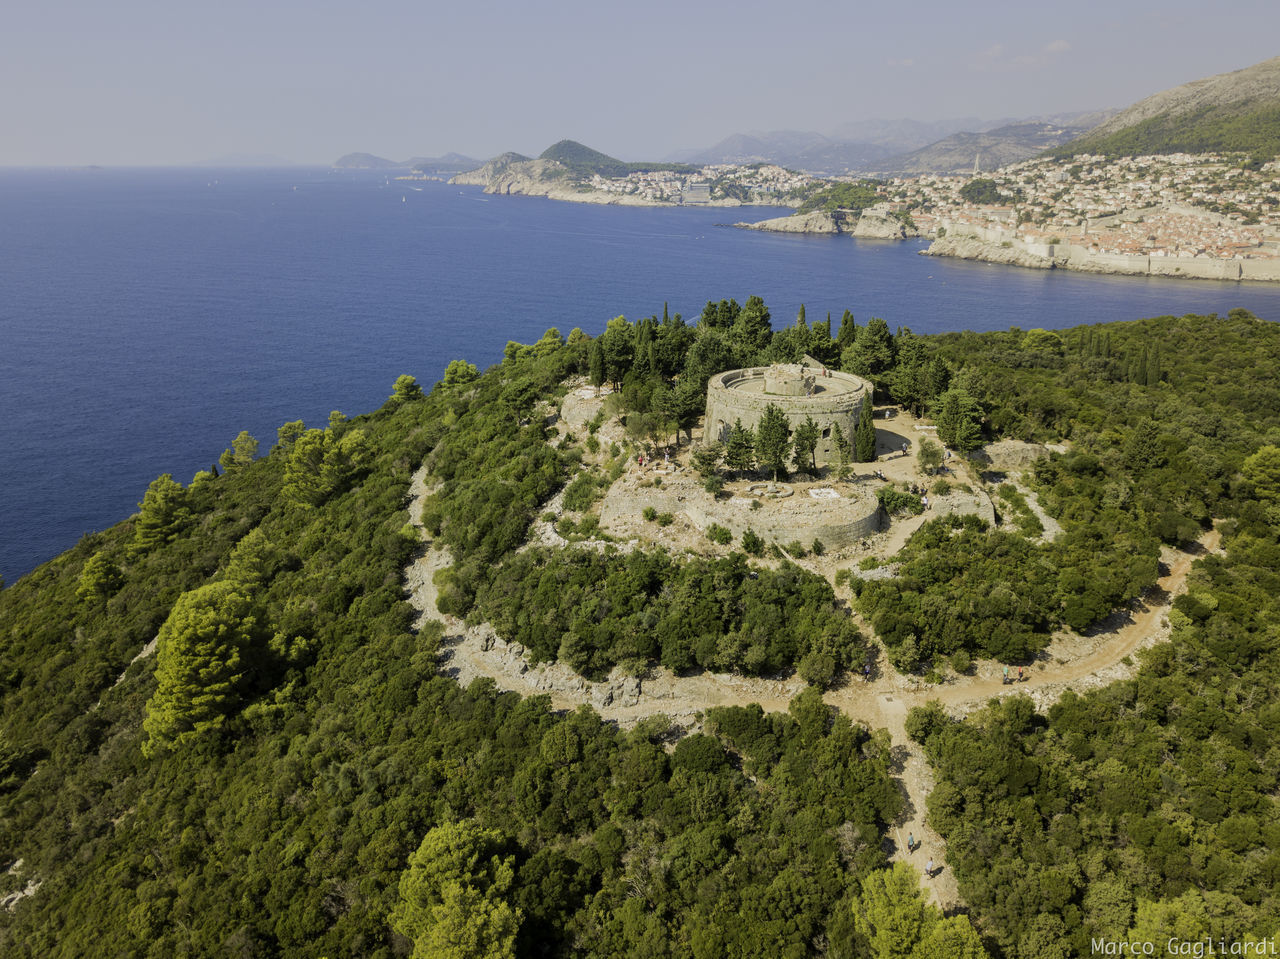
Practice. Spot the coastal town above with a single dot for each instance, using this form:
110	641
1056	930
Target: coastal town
757	183
1179	206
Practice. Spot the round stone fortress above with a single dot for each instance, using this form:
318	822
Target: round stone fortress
799	390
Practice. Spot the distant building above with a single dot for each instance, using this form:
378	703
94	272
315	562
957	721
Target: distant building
697	192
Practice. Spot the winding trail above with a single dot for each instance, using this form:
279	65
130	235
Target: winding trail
1070	662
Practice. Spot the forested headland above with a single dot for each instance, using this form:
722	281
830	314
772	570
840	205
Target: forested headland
288	774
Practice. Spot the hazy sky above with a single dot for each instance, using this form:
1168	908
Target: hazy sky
171	81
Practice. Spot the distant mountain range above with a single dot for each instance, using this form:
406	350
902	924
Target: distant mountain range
900	146
1230	112
1233	112
449	163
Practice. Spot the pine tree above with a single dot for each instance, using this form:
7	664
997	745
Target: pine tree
201	658
453	895
244	447
864	438
1153	368
99	579
163	514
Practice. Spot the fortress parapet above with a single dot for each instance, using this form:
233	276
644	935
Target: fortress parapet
798	389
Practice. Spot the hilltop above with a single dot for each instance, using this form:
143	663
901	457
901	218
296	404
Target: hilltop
225	729
1230	112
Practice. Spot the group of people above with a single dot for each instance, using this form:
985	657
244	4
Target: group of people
911	847
1009	678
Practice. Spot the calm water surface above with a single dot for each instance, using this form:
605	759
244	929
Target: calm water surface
146	317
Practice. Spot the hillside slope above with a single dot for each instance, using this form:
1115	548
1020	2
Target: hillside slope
1237	111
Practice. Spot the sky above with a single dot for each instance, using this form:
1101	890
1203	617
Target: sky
172	82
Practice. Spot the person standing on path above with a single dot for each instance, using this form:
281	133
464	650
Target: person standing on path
1006	676
928	868
911	842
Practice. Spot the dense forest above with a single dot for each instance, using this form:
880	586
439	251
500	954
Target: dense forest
285	773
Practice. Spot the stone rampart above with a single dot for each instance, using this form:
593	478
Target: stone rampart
830	398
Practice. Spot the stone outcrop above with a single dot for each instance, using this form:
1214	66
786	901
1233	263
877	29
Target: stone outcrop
971	248
875	222
878	223
818	222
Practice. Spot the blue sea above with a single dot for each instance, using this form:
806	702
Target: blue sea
147	316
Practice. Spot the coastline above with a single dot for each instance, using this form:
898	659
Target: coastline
1081	259
510	183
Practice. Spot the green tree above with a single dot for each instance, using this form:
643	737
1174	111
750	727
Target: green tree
864	437
950	938
406	388
843	451
460	373
243	449
891	914
201	655
336	419
706	459
739	449
929	456
873	351
550	342
1262	470
959	420
752	328
287	434
981	190
617	344
848	334
453	895
805	444
773	439
595	362
99	579
163	514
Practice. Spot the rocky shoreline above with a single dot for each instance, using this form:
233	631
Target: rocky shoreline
873	223
1079	259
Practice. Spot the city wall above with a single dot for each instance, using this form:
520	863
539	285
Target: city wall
1000	246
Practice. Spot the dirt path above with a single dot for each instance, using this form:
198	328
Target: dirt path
1070	662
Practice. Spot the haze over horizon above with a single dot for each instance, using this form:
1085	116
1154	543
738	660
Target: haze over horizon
140	82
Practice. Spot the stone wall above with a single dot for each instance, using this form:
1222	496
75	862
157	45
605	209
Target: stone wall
731	398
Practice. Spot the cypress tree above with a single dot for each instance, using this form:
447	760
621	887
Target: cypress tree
864	438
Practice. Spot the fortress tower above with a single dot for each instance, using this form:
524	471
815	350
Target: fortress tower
798	389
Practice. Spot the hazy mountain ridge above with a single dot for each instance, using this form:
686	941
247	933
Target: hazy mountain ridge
991	150
897	145
450	162
1239	110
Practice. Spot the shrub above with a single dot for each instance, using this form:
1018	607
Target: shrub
818	547
649	513
752	543
719	534
796	549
